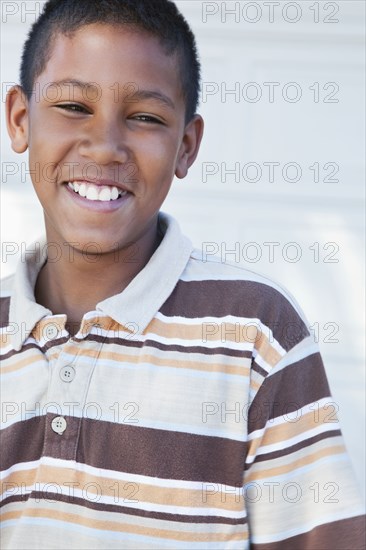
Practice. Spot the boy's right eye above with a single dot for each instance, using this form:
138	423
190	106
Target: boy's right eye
73	107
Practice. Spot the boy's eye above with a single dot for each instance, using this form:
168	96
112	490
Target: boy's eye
76	108
73	107
147	118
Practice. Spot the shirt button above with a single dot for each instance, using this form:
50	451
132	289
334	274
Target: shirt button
51	331
59	424
67	374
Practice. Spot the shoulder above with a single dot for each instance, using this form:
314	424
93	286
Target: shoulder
209	287
236	277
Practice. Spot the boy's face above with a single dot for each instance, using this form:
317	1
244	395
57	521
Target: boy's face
127	127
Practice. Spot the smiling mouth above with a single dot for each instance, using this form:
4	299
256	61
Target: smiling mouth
102	193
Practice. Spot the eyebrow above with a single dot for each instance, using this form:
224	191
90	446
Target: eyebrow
135	95
155	95
73	82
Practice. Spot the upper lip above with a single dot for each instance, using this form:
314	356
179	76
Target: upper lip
108	183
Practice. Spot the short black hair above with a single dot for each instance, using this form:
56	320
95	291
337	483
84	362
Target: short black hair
160	18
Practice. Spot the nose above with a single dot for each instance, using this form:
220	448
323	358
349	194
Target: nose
105	142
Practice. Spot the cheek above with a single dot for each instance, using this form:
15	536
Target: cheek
157	156
50	134
47	157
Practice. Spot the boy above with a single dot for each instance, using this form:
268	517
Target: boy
125	358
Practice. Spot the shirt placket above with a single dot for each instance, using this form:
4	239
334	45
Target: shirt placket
70	372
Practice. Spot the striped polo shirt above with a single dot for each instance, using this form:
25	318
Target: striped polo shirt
190	411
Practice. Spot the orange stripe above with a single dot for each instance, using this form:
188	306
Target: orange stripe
26	361
125	527
204	497
303	461
119	358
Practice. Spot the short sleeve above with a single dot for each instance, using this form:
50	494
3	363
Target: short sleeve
299	486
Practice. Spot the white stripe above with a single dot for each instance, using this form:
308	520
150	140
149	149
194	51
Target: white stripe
20	467
138	540
86	494
312	467
203	271
119	476
302	350
306	409
261	362
292	441
242	321
306	527
241	346
6	349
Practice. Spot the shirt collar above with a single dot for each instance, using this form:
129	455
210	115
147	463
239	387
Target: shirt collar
139	301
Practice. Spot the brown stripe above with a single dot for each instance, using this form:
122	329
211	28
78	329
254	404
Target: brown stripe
22	442
229	332
93	505
133	449
49	345
123	527
259	369
288	390
294	448
54	343
4	311
204	495
162	453
169	347
282	431
13	352
248	299
122	357
345	534
137	345
287	469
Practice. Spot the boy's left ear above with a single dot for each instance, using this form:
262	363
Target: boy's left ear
190	146
17	108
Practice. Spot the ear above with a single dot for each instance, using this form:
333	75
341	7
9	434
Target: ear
17	109
191	142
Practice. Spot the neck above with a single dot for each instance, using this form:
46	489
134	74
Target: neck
77	282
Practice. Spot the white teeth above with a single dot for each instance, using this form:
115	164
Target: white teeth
105	194
95	193
92	193
82	190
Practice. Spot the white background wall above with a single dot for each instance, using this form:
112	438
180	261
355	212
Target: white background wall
313	220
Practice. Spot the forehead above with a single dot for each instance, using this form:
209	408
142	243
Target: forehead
108	55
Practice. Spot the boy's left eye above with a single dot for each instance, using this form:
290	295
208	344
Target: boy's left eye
147	118
73	107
